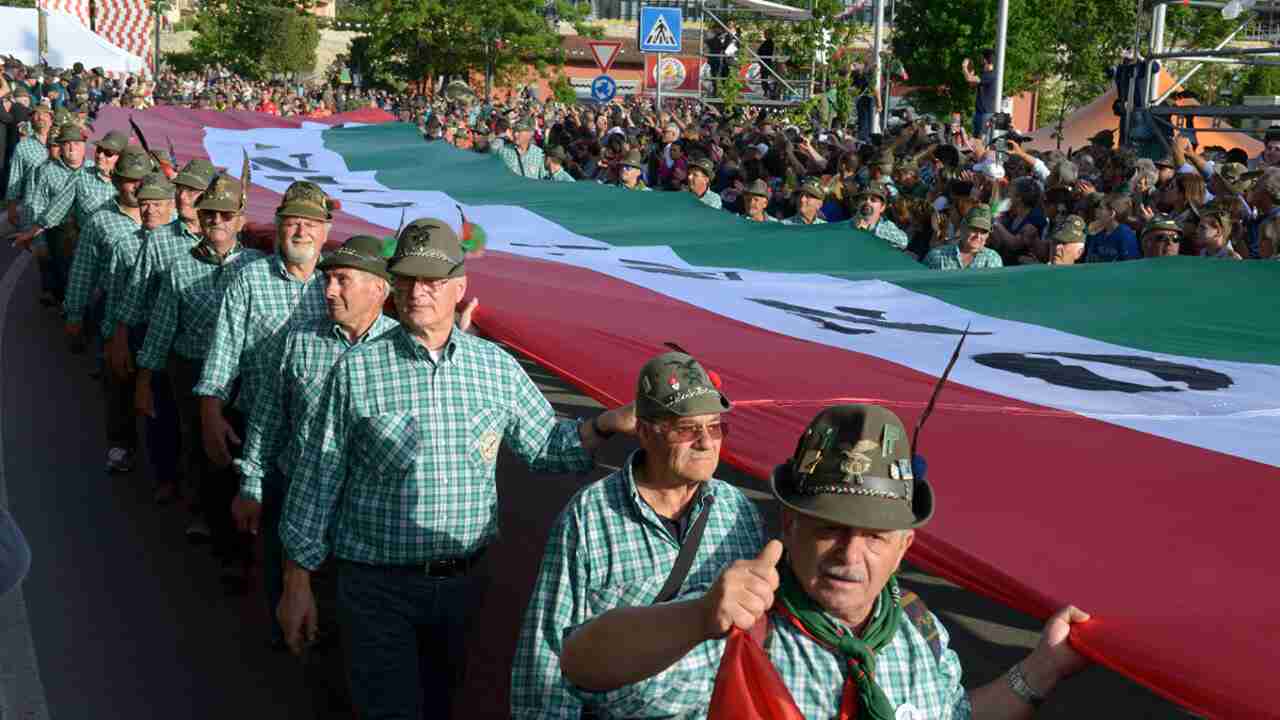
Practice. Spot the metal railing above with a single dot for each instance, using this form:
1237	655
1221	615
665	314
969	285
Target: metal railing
630	9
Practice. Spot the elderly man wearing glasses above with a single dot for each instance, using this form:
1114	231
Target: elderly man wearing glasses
632	538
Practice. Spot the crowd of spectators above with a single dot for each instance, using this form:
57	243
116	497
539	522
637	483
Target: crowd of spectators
950	200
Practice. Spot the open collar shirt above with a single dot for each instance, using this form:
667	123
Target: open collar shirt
398	461
290	391
262	303
608	549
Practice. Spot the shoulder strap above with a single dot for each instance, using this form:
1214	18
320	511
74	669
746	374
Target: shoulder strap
918	613
684	561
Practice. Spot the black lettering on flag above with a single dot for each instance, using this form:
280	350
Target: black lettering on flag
271	163
664	269
1077	377
260	146
821	317
386	205
302	159
861	316
361	190
561	247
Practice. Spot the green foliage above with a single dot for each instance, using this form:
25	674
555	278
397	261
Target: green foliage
933	37
256	39
183	62
292	40
413	39
563	91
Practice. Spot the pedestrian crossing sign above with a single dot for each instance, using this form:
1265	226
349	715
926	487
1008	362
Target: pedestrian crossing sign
660	29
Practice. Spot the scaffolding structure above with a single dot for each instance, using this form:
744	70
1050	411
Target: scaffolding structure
1258	24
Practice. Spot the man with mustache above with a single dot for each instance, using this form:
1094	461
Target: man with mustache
833	623
179	332
618	540
396	480
261	305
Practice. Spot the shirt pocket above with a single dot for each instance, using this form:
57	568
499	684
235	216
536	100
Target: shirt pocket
637	592
485	429
389	442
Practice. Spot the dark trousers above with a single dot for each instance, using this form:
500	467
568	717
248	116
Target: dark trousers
404	635
59	263
163	436
183	375
865	106
274	492
122	427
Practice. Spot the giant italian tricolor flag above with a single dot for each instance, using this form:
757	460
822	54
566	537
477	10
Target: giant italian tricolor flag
1110	436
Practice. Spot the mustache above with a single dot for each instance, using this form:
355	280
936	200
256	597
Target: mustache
847	573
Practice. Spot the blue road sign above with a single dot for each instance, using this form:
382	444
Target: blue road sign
660	29
603	88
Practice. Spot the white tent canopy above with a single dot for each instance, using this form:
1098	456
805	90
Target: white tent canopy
69	42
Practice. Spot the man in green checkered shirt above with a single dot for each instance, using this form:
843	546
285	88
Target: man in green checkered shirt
111	224
87	190
396	480
829	613
177	339
265	302
66	156
970	251
160	248
523	157
30	153
868	208
617	540
357	285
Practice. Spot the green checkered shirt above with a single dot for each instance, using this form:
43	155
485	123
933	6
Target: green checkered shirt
905	669
398	462
186	307
28	155
50	180
289	393
529	165
160	248
89	267
886	230
562	176
121	258
86	193
264	302
609	549
947	257
712	200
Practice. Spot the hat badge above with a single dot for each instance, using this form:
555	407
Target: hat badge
674	382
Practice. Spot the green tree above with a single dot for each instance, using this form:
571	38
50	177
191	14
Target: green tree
421	39
254	38
933	37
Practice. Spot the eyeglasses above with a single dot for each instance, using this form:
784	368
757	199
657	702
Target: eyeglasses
108	153
689	433
1165	238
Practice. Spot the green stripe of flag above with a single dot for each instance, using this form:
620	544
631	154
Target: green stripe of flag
1183	306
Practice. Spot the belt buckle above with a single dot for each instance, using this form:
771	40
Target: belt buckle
444	567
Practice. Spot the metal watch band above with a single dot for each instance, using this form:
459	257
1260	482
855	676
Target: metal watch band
1018	684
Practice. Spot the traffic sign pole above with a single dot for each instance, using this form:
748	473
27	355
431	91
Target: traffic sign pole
657	73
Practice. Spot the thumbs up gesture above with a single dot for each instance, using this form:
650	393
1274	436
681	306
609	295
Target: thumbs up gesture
743	592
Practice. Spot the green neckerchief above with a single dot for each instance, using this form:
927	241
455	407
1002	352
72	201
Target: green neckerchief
858	652
205	253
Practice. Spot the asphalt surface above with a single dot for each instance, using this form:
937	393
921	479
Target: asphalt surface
121	618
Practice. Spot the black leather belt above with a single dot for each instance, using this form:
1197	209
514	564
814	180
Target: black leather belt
453	567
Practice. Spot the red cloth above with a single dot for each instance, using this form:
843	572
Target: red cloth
748	687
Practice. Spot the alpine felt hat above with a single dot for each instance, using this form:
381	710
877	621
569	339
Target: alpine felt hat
362	252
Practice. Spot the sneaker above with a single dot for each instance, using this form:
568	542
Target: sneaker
198	532
119	460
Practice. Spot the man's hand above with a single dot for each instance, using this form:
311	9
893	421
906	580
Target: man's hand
247	513
1054	659
620	419
23	239
297	612
72	329
742	593
143	401
218	434
11	213
464	314
119	357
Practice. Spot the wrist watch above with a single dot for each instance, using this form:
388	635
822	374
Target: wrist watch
1018	684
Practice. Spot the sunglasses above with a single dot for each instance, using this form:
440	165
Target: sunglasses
689	433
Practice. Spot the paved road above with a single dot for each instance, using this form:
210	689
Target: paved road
126	620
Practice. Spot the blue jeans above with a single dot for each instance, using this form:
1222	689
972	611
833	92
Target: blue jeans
404	635
865	106
980	124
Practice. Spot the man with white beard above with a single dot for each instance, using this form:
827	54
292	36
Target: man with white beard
266	300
